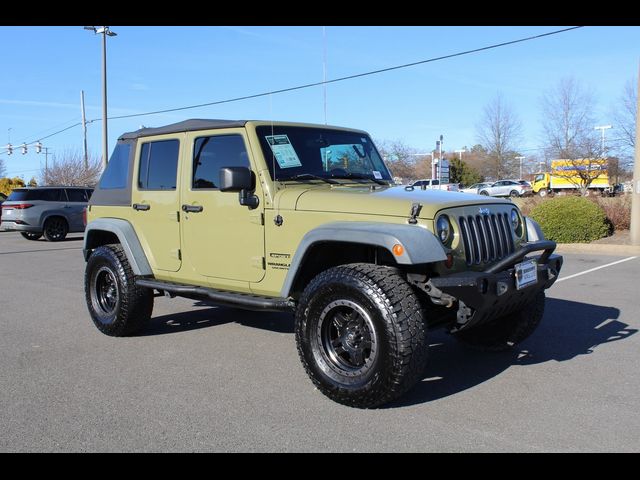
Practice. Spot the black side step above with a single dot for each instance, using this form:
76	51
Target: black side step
230	299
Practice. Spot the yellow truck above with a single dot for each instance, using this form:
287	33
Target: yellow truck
570	175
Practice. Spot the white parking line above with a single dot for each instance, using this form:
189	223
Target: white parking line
594	269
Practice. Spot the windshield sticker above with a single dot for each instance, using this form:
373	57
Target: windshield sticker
283	151
363	140
377	175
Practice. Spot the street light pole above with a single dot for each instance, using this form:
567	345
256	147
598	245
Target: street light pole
602	128
105	32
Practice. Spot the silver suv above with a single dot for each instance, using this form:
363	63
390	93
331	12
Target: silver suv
505	188
49	211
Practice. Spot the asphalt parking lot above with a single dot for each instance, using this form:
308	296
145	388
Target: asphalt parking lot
203	378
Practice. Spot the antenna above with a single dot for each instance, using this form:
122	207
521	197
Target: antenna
324	71
273	155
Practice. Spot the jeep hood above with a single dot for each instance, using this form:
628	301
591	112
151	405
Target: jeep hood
388	201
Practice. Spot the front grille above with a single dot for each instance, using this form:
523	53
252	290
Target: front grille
486	238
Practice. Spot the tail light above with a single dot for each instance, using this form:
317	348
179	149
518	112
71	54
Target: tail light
84	216
18	206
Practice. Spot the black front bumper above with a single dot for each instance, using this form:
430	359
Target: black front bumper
483	296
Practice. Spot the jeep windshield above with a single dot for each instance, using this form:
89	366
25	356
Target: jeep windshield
307	153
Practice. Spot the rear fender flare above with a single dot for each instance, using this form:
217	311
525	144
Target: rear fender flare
127	238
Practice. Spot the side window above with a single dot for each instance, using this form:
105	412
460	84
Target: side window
435	182
89	193
210	154
51	195
77	195
115	175
158	165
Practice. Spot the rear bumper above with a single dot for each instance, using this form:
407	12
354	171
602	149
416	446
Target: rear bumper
9	226
483	296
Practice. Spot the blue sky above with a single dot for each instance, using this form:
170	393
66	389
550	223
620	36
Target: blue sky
155	68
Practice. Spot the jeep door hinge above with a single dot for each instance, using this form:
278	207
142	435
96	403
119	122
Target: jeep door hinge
257	218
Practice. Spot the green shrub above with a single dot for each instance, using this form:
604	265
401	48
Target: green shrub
571	220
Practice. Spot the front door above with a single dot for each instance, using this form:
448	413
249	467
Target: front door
155	201
222	239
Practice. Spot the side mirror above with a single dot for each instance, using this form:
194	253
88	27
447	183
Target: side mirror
242	180
235	179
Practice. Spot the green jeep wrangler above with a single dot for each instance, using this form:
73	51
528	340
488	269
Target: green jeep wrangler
275	216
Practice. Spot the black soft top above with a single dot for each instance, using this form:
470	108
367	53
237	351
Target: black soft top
185	126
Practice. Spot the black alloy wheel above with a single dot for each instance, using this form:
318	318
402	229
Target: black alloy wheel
347	336
118	307
361	334
55	229
106	291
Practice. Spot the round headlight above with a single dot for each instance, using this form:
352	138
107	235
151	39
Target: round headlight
515	219
443	228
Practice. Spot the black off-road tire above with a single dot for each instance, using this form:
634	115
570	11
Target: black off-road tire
506	332
55	229
117	306
31	235
391	313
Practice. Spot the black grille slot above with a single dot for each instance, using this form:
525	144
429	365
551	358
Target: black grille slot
486	238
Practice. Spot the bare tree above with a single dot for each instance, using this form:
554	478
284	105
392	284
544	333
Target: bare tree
70	170
624	116
403	161
499	133
568	127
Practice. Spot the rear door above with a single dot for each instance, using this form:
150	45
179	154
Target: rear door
154	199
77	201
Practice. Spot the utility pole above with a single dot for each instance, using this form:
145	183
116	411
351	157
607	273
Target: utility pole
84	131
635	195
46	161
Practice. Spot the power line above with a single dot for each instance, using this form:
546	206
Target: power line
349	77
325	82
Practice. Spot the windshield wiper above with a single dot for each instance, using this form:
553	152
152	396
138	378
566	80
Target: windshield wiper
360	176
307	176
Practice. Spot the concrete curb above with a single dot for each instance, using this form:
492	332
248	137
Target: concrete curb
598	248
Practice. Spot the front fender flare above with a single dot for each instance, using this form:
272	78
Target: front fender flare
420	245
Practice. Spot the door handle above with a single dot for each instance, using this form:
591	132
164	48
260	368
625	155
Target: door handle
141	206
192	208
